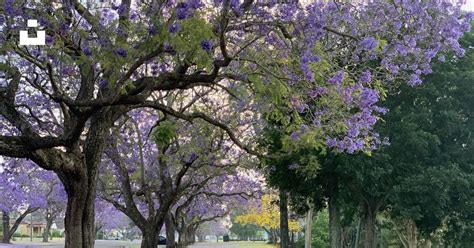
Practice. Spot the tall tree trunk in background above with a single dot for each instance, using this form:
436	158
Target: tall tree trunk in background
292	242
6	227
412	234
49	223
370	223
170	231
407	233
308	228
192	236
335	228
284	231
359	226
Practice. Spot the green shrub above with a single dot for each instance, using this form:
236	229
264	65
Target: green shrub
57	234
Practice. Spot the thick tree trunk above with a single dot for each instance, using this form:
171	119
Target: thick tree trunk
308	228
335	228
191	236
370	218
183	239
79	220
79	177
170	231
284	232
150	238
49	222
6	227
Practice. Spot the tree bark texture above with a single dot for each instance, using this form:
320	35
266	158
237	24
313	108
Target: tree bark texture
284	230
6	227
335	229
370	226
308	228
49	223
170	231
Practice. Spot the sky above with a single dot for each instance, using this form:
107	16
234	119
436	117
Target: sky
469	5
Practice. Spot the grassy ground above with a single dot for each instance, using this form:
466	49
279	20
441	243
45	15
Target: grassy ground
233	244
37	241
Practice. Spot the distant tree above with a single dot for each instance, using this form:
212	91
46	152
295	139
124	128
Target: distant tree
424	177
267	216
24	191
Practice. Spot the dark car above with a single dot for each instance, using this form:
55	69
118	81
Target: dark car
162	240
226	238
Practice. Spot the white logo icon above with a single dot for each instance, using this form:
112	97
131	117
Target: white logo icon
39	40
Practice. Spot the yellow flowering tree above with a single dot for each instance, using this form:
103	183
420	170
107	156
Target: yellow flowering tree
268	218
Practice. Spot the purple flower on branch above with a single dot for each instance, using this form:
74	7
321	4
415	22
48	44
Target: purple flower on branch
369	43
175	27
365	77
121	52
337	78
206	45
103	84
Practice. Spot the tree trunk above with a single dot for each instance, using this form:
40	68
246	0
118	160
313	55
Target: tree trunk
49	222
170	230
6	227
275	237
292	239
79	177
79	220
370	218
359	226
284	232
191	237
183	238
335	228
150	238
412	233
308	229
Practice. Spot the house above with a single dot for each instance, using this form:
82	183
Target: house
34	222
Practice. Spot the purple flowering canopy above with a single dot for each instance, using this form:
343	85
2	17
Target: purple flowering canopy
319	68
159	170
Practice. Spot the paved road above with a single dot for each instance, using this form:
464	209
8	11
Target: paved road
231	245
134	244
99	244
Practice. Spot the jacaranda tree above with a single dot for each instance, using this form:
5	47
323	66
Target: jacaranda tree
26	189
102	59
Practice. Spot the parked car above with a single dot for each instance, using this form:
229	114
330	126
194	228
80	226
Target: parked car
162	240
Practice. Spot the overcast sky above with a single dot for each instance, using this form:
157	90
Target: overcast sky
469	5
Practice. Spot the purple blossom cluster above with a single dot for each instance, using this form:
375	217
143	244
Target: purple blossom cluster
408	37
